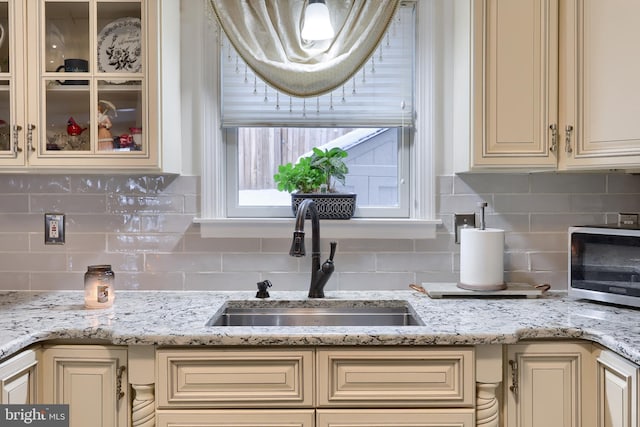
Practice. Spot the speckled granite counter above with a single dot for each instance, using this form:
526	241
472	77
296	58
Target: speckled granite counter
178	318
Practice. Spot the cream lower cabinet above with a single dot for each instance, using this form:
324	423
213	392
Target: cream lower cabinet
92	379
18	379
316	387
549	384
617	390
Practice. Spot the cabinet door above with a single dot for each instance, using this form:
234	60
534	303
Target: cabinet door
91	379
617	382
600	64
547	385
18	379
236	417
395	418
516	83
12	84
90	89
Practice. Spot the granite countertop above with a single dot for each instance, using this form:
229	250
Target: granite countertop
178	318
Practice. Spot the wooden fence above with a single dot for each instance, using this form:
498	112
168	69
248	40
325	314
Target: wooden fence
262	150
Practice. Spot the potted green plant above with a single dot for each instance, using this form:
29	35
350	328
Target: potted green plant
315	177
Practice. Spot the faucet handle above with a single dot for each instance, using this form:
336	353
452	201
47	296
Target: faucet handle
332	252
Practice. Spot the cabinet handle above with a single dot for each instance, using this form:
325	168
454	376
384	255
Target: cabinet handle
568	129
119	392
514	377
30	128
16	132
554	137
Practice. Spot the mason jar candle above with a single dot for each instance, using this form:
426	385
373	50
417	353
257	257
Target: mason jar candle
98	286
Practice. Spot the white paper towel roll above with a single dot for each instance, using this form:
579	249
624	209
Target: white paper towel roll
482	259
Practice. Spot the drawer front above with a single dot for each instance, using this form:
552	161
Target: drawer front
395	418
396	377
236	417
229	378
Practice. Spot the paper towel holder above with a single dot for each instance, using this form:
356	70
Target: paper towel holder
463	221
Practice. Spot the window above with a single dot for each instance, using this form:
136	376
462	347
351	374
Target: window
262	129
370	116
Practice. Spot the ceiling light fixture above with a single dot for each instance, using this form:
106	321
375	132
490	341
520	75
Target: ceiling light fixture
317	24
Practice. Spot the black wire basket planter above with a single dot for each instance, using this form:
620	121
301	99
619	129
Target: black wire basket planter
329	205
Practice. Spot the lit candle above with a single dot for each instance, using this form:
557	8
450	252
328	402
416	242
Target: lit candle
98	286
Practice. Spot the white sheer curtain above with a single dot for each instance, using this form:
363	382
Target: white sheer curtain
266	34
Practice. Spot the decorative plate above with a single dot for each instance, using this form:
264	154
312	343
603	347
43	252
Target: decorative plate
119	47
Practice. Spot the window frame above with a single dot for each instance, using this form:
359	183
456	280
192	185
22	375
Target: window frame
235	210
214	221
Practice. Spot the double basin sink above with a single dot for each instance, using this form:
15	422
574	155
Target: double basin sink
315	313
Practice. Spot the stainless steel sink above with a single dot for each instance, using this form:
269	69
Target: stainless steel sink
316	316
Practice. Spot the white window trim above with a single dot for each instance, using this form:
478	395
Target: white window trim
213	221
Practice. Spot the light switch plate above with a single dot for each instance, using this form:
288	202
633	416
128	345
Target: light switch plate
463	220
53	229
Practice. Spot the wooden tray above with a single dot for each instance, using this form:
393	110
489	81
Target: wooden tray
513	290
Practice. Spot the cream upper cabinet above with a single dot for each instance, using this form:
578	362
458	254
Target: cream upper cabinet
617	390
555	85
515	91
18	384
91	379
549	384
79	85
599	69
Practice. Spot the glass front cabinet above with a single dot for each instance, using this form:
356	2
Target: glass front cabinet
77	86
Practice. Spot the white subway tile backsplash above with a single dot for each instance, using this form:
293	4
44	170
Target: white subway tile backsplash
14	242
490	184
14	280
194	243
623	183
527	203
130	242
69	203
221	281
32	261
523	242
562	221
142	225
264	262
14	203
185	262
548	261
376	281
414	261
589	183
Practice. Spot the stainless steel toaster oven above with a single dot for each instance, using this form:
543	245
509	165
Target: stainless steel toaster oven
604	264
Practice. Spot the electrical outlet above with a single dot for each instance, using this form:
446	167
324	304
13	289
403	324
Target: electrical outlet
627	219
53	229
463	220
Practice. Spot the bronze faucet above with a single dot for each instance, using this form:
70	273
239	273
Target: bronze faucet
319	274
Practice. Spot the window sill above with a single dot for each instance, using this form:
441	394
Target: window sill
356	228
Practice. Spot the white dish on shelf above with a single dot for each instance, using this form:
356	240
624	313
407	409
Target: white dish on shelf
119	47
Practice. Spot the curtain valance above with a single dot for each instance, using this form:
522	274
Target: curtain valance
266	34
